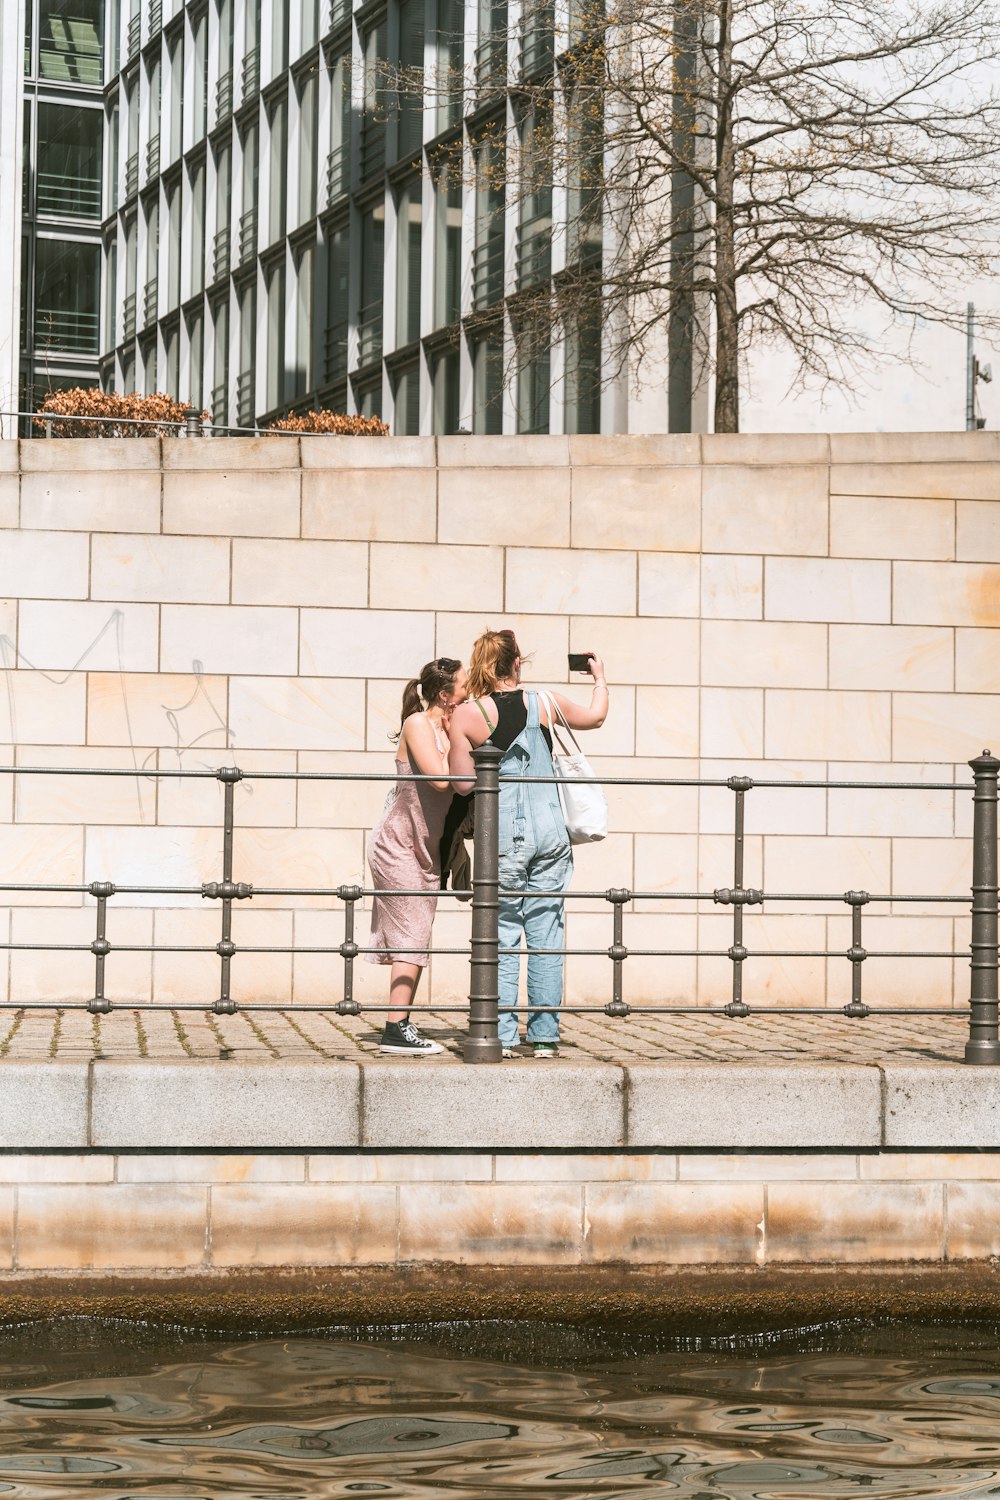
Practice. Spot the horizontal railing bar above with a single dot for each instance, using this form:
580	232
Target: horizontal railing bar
334	950
652	781
281	1007
334	891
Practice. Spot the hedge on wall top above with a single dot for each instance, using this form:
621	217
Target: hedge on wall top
333	422
120	416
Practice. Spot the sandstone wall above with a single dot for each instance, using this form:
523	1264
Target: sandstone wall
191	1213
796	607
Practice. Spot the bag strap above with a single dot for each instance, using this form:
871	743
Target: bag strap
557	719
485	715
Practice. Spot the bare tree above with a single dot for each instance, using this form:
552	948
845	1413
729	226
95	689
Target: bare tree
839	154
766	172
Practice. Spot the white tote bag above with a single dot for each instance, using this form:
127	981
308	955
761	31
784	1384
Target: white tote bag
584	805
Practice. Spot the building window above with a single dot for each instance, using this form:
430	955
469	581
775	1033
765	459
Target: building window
409	224
174	231
406	399
275	394
308	100
67	296
305	262
200	122
337	284
583	367
195	323
277	188
448	245
370	310
585	157
533	376
221	254
111	294
488	251
69	161
149	372
368	396
220	361
198	228
410	101
245	379
279	36
444	381
487	381
534	233
247	246
114	130
373	100
176	49
172	342
69	41
338	166
310	25
450	61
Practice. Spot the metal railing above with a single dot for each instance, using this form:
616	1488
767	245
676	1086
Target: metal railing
133	36
370	333
248	235
491	67
484	950
224	97
149	301
338	171
152	158
244	398
76	197
220	255
488	272
68	331
250	74
534	252
132	175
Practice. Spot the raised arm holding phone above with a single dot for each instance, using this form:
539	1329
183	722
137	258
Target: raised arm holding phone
535	852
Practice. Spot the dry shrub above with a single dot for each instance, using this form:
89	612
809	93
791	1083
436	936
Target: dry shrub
118	413
335	422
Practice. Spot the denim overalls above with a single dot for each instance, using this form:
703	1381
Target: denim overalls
535	855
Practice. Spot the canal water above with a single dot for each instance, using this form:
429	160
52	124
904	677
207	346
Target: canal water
487	1410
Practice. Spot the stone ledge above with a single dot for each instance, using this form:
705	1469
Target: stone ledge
119	1104
536	1105
224	1104
949	1106
753	1106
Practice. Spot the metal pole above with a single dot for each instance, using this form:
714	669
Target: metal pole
482	1045
192	422
348	1006
983	1046
618	953
100	947
856	954
227	891
970	367
737	952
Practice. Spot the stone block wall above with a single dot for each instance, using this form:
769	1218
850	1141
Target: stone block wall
187	1213
790	606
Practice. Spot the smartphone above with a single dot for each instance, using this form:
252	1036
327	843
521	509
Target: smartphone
579	661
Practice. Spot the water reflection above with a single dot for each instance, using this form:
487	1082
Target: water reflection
122	1413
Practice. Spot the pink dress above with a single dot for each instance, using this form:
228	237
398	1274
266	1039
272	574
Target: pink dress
403	854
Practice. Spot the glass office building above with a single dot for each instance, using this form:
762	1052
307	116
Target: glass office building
63	151
307	205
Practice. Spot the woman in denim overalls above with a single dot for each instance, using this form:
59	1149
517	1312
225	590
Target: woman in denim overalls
535	852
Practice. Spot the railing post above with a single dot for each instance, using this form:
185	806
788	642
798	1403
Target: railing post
227	891
983	1046
100	947
192	422
348	1006
482	1045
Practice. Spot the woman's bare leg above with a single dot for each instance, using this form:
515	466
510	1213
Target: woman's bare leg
403	981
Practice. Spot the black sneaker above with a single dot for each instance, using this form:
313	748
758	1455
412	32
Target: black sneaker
403	1037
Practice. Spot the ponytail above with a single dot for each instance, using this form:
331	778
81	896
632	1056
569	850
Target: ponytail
435	678
494	655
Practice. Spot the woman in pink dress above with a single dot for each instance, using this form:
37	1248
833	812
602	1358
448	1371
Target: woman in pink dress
404	849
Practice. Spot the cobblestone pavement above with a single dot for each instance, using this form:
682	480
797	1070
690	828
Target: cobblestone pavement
171	1034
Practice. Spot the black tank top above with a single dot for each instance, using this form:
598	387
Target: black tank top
512	715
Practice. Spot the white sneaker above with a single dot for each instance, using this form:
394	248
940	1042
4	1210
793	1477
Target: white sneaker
404	1038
